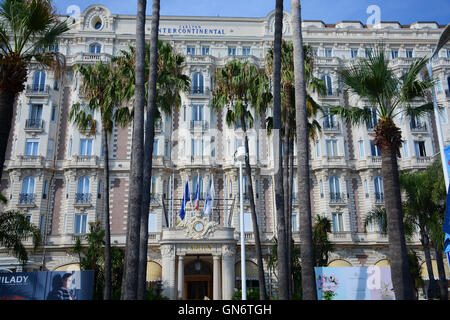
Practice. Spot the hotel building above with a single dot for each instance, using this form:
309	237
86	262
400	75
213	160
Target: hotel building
54	172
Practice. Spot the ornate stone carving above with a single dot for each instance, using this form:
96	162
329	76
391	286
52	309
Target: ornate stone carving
167	251
228	251
198	226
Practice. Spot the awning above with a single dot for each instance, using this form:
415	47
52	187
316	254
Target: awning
424	270
154	271
339	263
251	270
69	267
382	263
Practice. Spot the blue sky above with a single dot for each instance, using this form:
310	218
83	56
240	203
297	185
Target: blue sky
329	11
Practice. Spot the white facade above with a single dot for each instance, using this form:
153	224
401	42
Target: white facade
66	164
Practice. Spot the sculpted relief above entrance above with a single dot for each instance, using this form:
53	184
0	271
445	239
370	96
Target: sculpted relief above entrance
197	227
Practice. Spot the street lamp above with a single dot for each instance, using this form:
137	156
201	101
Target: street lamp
240	157
444	38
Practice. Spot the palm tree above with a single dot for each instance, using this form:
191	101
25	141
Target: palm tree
27	32
282	231
130	270
15	228
323	246
390	96
170	81
101	87
307	246
236	87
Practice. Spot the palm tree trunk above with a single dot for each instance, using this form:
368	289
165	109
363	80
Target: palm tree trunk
148	151
441	270
107	292
6	110
286	198
400	271
248	171
130	271
307	248
432	286
283	274
290	190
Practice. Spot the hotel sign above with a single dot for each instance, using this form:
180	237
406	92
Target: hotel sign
198	248
192	30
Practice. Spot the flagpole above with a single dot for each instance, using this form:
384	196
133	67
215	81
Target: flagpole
173	195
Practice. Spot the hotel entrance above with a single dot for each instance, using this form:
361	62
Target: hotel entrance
198	280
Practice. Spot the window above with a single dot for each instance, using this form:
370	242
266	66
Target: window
197	180
197	112
85	147
409	53
417	123
332	149
152	222
328	52
80	224
213	148
329	120
328	84
439	86
321	188
369	53
45	190
419	147
184	113
42	224
39	81
248	224
99	189
28	186
83	188
197	147
231	51
50	148
394	53
335	188
379	191
166	149
448	53
338	222
354	53
246	51
443	115
361	149
153	186
155	148
238	143
197	83
31	147
375	150
294	223
56	85
366	188
372	122
190	50
69	151
318	149
54	113
405	149
205	51
36	112
95	48
53	48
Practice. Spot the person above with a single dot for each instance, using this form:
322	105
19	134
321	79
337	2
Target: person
61	288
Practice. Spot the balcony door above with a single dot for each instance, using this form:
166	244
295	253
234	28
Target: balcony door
39	81
83	189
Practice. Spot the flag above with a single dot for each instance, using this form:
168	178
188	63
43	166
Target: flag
447	243
209	200
185	199
446	228
197	195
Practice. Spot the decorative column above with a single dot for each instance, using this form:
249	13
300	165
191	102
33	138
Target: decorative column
180	295
217	278
168	271
228	277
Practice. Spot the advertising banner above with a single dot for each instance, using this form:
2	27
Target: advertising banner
354	283
55	285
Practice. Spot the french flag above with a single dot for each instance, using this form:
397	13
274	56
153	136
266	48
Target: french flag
197	195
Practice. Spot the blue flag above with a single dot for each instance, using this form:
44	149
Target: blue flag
447	243
185	199
446	228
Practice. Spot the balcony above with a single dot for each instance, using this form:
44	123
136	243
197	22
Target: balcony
34	125
331	126
26	200
199	125
82	200
38	91
337	198
422	160
30	161
89	58
199	91
419	128
379	197
376	159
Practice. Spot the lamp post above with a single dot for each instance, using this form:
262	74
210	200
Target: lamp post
240	156
444	38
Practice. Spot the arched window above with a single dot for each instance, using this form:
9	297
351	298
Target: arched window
82	195
197	83
39	81
95	48
27	195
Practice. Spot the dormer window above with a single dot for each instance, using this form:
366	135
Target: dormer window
97	23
